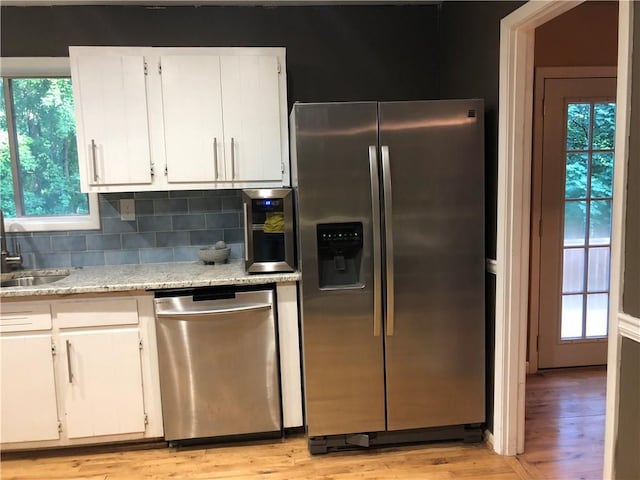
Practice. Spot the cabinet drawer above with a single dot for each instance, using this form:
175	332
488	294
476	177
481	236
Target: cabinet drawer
96	313
24	317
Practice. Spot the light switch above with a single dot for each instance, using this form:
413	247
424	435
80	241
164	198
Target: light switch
127	209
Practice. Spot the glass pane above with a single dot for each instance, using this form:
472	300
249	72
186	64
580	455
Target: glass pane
576	177
573	270
599	269
597	313
604	126
600	222
47	149
602	175
575	220
7	201
571	326
578	123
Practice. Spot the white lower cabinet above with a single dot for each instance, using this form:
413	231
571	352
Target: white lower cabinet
89	376
84	369
289	339
28	409
103	388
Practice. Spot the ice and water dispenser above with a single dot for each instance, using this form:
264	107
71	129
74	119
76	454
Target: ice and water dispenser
339	255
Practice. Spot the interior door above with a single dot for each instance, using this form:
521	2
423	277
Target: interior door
575	210
433	169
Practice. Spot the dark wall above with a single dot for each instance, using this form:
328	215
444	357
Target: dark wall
333	53
627	460
631	284
469	67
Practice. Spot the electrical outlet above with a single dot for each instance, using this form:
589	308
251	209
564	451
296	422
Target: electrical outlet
127	209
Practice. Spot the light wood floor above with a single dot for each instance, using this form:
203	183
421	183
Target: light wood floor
564	442
564	429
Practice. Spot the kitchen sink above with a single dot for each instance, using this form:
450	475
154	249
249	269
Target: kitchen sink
29	280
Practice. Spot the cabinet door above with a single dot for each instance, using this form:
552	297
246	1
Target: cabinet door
251	106
192	109
111	108
28	409
102	382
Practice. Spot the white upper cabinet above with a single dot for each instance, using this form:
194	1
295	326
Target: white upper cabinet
251	118
111	115
172	118
192	107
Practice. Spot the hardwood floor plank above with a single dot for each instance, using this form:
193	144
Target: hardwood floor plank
288	459
564	430
564	441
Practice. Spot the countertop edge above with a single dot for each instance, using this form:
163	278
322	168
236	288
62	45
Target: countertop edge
67	287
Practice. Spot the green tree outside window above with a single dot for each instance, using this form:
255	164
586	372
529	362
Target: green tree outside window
47	158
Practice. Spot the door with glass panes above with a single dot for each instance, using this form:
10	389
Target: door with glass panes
575	228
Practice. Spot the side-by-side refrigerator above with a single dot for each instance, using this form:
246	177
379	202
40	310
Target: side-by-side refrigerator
390	211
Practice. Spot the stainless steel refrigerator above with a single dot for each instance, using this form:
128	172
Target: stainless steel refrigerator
390	211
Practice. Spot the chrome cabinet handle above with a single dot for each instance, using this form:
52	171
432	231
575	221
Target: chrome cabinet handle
93	157
69	372
377	253
247	231
388	209
215	156
233	160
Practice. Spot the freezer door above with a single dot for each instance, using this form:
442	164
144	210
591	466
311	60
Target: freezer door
334	147
433	170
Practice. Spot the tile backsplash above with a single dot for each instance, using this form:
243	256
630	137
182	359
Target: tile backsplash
169	227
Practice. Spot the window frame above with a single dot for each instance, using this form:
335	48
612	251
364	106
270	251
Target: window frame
47	67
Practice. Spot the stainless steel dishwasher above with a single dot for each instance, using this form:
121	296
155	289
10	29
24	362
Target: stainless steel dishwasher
218	362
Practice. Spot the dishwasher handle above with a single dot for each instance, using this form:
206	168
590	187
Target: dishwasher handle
215	311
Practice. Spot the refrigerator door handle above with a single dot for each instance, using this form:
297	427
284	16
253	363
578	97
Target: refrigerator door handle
377	252
388	209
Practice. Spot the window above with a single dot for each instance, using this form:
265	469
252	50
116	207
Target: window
40	184
589	158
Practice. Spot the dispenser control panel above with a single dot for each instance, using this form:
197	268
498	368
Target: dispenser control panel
339	255
339	235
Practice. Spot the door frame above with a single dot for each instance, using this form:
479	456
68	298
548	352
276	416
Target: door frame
517	34
541	75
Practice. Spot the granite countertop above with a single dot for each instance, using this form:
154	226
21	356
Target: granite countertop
119	278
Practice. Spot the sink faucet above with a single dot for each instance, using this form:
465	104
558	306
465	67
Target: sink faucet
9	260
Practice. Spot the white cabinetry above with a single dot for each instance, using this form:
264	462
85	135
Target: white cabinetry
180	118
192	107
103	391
289	338
111	117
28	403
101	385
89	376
251	118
